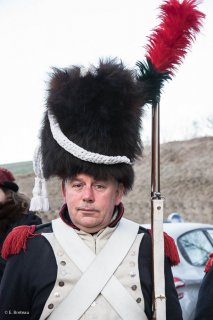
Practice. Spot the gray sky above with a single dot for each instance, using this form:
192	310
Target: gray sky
38	34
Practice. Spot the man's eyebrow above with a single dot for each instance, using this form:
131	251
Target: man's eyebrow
101	181
73	179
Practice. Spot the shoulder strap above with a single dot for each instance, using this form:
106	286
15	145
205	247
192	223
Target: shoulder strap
98	271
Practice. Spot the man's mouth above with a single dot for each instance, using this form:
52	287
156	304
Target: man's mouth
88	210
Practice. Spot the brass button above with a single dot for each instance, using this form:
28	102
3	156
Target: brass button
138	300
134	287
50	306
61	283
63	263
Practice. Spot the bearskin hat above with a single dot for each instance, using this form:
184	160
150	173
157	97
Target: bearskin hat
92	120
100	111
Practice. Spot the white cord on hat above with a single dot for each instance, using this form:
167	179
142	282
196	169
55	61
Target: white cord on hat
79	152
40	201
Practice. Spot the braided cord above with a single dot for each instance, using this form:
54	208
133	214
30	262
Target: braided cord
79	152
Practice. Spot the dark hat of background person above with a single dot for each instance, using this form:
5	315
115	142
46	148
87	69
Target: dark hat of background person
7	180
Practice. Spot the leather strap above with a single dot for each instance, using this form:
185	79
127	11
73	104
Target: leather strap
158	259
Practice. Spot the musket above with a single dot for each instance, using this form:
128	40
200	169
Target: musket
168	45
157	206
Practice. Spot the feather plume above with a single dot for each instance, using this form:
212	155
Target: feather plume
169	42
152	80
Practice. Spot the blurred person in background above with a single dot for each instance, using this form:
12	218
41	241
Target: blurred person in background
14	209
204	308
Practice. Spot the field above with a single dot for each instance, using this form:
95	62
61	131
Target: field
19	168
186	182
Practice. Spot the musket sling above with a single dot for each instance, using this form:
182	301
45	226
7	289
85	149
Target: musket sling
97	272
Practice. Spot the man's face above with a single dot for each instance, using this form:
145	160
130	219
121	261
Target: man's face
3	196
91	202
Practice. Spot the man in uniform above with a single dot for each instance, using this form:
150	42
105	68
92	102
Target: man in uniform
90	263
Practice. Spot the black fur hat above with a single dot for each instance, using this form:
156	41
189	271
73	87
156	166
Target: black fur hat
100	111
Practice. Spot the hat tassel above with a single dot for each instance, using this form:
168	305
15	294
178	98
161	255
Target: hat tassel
39	201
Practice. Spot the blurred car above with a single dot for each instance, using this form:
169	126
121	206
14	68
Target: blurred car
174	217
194	242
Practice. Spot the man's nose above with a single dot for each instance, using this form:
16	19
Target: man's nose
88	194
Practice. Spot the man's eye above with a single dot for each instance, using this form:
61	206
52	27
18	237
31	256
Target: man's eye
77	185
99	186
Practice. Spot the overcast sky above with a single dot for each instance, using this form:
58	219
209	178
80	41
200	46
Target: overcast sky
38	34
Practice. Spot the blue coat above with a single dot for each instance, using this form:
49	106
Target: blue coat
30	276
204	309
26	219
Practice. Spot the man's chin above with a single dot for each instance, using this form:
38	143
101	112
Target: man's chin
89	222
90	225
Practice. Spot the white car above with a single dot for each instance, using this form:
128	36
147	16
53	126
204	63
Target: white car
194	242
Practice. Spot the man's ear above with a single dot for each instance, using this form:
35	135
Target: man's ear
63	189
120	193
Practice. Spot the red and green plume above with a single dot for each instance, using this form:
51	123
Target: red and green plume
170	40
